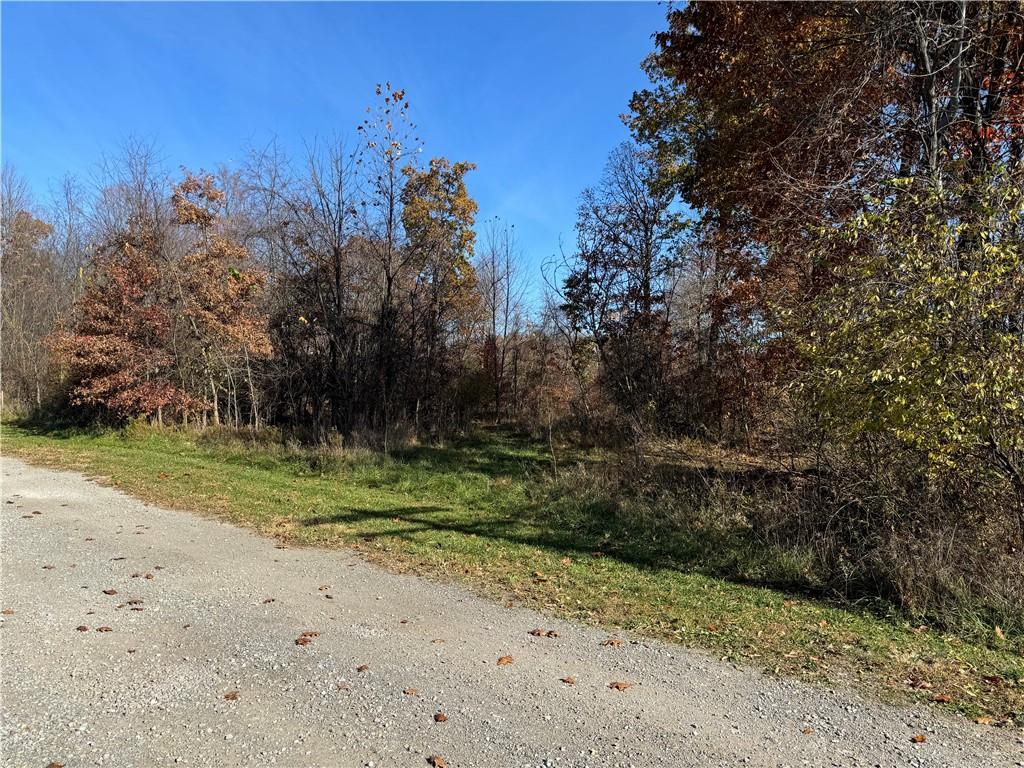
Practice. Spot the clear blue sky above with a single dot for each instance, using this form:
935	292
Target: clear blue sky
531	92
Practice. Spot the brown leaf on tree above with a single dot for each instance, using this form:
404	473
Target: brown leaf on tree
82	628
437	761
612	642
411	692
440	717
918	738
104	629
569	680
363	668
109	591
232	695
504	661
619	685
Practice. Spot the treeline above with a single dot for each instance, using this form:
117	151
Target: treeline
810	250
346	294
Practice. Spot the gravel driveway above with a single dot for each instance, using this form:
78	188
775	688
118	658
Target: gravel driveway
201	667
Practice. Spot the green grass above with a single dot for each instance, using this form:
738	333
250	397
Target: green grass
486	513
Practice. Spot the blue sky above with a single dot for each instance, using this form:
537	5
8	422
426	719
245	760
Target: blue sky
531	92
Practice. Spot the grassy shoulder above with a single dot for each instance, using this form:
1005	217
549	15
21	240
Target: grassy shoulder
486	513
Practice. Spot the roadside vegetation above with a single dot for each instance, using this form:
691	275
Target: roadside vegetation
588	544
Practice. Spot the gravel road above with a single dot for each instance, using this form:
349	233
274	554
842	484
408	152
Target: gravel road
200	665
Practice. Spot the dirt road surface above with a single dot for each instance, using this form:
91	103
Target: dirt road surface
200	666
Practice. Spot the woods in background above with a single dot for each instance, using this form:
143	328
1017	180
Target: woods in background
810	250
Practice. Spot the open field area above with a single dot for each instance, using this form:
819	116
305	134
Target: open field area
487	514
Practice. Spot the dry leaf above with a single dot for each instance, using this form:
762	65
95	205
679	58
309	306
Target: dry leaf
55	765
363	668
504	661
918	738
49	567
999	633
7	612
82	628
411	692
807	731
104	629
568	680
232	695
268	600
440	717
149	576
619	685
109	591
612	642
437	761
942	698
566	561
983	720
303	640
437	641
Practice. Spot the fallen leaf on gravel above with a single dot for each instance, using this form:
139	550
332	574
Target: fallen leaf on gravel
504	661
983	720
363	668
942	698
131	650
118	558
619	685
109	591
149	576
55	765
918	738
82	628
49	567
232	695
7	612
303	640
323	587
440	717
185	626
104	629
536	632
807	731
268	600
136	608
329	597
437	761
37	512
569	680
612	642
403	621
410	692
27	516
343	687
89	538
438	641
